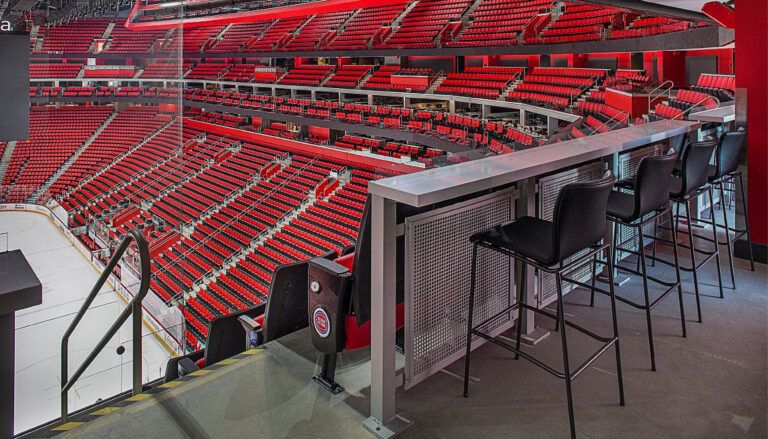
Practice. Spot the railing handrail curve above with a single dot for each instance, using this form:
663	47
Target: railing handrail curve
133	308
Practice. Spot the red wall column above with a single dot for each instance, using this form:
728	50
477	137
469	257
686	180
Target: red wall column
673	68
751	55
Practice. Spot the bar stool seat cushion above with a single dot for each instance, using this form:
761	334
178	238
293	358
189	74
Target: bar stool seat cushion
621	205
528	236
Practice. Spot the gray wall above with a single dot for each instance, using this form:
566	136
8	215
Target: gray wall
696	65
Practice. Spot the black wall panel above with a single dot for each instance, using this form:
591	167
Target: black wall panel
14	86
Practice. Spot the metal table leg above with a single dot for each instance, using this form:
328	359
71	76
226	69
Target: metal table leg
383	421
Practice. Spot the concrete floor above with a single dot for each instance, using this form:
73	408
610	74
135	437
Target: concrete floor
711	384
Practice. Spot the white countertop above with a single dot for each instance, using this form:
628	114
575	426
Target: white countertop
441	184
719	114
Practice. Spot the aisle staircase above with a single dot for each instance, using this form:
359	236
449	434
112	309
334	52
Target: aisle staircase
147	203
435	83
108	31
470	10
399	20
66	165
509	89
189	228
173	155
297	32
344	23
116	160
259	240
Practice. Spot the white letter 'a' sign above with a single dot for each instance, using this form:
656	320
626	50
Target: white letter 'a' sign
5	26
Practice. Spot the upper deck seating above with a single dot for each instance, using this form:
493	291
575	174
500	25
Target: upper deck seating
75	37
276	36
234	38
422	25
498	22
318	29
363	28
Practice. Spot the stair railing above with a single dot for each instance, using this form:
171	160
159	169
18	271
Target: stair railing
583	88
662	89
566	130
231	221
179	153
610	122
132	309
703	101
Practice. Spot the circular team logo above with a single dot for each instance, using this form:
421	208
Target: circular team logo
322	322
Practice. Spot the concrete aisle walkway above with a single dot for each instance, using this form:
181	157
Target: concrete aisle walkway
709	385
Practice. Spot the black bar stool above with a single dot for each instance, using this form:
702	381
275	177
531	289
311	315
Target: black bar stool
725	171
578	227
647	204
687	185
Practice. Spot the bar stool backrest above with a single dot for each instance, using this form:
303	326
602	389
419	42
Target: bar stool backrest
579	216
652	182
695	166
727	157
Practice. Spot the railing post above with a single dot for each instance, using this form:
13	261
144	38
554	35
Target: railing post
64	374
137	339
134	307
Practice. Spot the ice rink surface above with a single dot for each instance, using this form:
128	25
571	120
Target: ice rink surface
67	278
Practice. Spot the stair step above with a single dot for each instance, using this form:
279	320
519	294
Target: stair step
73	158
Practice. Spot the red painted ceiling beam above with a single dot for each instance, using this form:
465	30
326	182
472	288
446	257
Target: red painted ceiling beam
724	15
320	7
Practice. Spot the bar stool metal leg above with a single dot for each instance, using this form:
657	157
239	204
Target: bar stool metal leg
612	291
655	233
692	246
728	243
594	278
714	236
641	251
614	243
721	186
469	319
746	222
566	364
677	275
519	324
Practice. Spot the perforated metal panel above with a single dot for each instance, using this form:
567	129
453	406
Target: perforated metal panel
630	161
438	261
549	188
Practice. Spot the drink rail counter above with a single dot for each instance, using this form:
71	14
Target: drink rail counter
723	114
477	180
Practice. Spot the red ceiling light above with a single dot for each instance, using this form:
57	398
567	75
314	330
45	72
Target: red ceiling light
301	10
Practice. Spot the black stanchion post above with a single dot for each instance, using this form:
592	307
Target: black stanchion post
19	288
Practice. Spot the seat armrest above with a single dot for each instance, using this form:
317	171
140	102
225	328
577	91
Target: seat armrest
187	366
346	261
253	330
248	323
339	265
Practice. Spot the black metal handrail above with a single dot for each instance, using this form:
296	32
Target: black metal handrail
133	308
